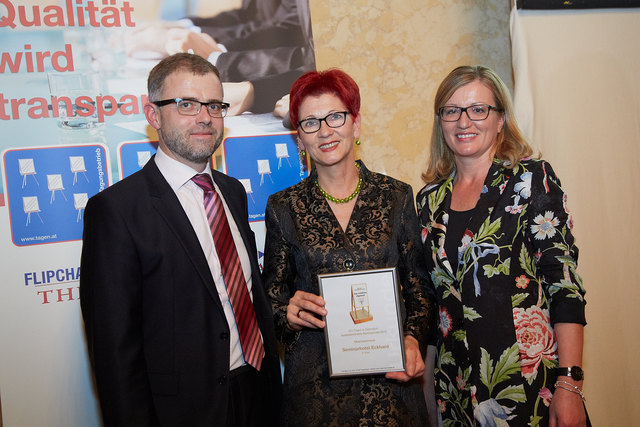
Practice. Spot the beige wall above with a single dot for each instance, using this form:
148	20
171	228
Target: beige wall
584	111
398	51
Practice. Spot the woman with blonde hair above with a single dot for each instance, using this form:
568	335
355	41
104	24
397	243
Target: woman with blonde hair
497	233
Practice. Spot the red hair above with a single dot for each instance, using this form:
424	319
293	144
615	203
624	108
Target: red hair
316	83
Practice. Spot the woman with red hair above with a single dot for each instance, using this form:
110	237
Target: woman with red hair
341	218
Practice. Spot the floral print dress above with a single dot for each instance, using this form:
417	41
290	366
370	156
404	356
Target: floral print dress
516	277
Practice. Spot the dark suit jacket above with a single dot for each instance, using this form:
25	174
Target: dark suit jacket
157	335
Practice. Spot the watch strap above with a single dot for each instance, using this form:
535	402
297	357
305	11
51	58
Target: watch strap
574	372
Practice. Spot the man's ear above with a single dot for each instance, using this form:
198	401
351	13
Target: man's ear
152	113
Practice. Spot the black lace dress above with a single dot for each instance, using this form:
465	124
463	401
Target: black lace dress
304	239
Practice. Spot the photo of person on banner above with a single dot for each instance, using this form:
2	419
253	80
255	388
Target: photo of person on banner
260	49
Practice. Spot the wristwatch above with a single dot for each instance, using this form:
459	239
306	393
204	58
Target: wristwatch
574	372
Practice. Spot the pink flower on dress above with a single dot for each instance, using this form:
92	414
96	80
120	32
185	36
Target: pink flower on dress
513	209
445	324
460	382
442	405
467	237
564	202
522	281
474	400
502	187
425	233
566	209
535	338
546	396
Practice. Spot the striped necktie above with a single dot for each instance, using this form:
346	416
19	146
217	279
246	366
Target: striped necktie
243	311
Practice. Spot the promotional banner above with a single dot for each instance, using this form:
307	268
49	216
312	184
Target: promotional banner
72	90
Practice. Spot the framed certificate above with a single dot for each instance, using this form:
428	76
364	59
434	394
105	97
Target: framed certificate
363	325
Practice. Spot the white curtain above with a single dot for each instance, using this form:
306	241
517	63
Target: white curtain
577	96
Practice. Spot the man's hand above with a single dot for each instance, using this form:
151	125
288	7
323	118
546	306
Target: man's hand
282	107
148	38
239	96
182	40
167	38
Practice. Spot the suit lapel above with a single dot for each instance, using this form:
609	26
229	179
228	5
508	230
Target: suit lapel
168	207
439	201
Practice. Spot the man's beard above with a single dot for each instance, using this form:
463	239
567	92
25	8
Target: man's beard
178	142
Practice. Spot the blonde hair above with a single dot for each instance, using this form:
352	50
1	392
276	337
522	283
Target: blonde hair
511	145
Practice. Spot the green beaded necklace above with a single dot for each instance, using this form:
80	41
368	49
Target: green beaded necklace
349	197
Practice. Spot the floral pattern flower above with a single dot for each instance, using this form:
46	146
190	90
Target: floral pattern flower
564	203
460	382
425	233
467	237
445	324
522	281
523	188
535	338
546	396
514	209
545	226
502	187
487	412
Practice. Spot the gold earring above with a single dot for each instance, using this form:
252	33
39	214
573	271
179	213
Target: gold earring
358	141
303	153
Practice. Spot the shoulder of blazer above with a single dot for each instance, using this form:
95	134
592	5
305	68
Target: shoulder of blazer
430	187
148	179
382	181
156	182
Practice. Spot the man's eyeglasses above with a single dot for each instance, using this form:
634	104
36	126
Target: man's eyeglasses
333	120
475	112
192	107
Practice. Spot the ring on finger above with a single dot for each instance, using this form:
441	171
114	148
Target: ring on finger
300	311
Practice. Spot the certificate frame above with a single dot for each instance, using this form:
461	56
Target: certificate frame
363	325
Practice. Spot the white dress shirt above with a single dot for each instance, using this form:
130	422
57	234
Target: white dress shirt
179	175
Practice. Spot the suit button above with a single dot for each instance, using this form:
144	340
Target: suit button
222	379
349	264
224	336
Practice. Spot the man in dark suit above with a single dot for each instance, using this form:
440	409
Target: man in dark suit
166	341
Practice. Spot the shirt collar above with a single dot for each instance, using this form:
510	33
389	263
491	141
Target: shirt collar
176	173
